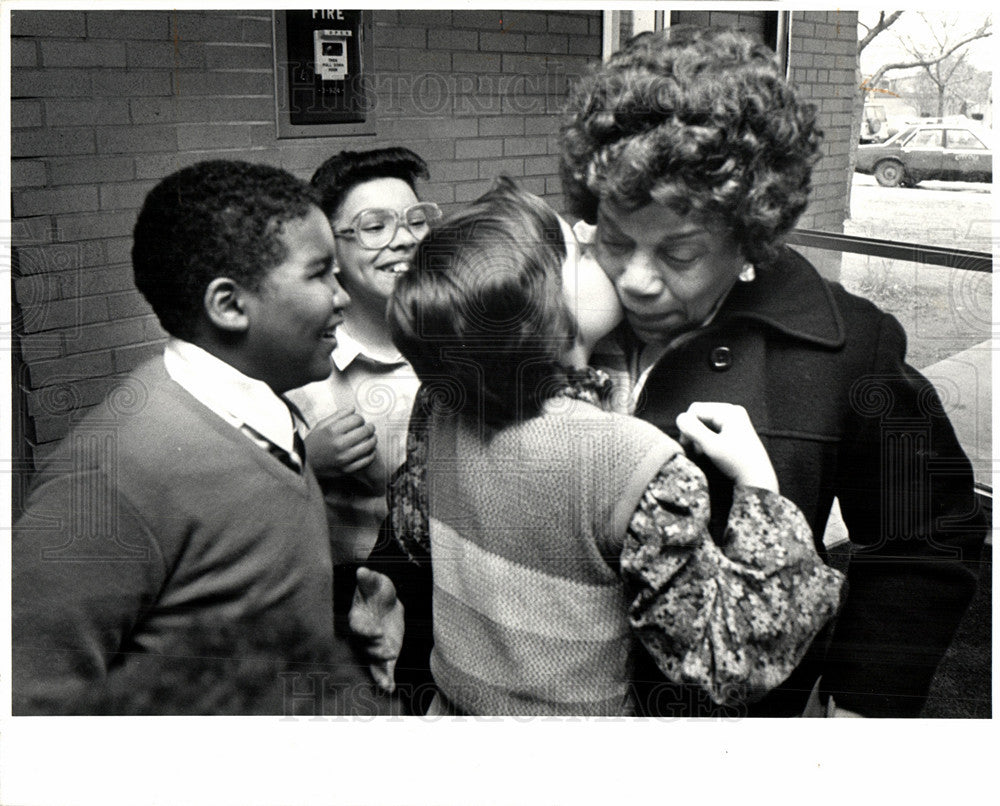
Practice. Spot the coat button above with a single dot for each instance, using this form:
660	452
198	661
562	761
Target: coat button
721	358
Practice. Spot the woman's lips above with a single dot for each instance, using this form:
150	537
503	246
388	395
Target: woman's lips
397	267
656	326
650	319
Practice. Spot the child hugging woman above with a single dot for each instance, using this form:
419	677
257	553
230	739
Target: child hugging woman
562	538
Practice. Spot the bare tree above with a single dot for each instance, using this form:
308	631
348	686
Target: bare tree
871	31
940	54
884	21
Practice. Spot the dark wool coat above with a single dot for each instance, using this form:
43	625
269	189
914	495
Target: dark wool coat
823	376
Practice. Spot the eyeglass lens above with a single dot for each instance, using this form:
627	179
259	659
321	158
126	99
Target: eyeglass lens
377	227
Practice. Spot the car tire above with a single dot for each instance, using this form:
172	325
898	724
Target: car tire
890	174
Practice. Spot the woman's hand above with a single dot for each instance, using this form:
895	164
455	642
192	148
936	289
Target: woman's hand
340	444
724	433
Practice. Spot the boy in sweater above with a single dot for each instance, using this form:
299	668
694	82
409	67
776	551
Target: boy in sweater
174	555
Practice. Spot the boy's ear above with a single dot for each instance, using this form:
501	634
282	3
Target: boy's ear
225	305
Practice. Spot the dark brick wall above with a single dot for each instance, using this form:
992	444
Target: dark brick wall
823	65
106	103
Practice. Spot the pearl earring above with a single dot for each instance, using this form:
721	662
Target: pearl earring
749	274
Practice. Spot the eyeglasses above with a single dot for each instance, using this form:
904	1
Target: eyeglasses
376	227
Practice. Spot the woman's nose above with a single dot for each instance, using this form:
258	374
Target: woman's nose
640	277
403	239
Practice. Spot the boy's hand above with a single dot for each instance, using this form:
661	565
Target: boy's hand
340	444
377	617
724	433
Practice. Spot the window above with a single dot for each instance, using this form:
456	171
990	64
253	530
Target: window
927	138
772	27
963	138
621	26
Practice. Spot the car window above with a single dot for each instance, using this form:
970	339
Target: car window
928	138
963	138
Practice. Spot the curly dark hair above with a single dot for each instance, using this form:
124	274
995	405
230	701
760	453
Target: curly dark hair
213	219
698	119
335	178
481	310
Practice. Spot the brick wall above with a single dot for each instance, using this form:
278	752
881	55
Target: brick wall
105	103
823	63
751	21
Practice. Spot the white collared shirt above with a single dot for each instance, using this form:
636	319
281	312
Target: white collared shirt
380	387
349	348
241	401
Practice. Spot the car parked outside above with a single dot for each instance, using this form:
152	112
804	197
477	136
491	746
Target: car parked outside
938	150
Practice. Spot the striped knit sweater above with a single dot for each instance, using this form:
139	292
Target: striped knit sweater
526	529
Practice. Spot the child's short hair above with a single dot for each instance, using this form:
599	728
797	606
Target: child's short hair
336	177
482	307
214	219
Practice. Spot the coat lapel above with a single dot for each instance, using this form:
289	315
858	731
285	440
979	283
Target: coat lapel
691	368
790	297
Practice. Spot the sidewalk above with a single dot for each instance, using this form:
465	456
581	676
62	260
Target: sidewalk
964	384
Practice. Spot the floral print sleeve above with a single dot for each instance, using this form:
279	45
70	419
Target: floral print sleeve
407	507
734	619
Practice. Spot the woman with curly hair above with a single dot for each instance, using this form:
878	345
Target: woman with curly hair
561	539
692	156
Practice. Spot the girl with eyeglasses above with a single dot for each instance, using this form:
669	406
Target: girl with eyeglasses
358	416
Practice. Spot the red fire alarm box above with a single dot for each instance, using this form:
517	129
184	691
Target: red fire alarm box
322	60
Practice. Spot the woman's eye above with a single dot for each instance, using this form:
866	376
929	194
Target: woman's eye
683	257
616	246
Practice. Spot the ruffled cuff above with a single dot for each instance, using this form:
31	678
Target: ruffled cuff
736	619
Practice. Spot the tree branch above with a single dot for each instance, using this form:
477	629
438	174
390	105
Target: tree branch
876	77
879	27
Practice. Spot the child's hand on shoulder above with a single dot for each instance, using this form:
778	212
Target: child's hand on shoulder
341	444
724	433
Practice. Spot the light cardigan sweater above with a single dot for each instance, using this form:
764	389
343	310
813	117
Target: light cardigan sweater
156	522
530	614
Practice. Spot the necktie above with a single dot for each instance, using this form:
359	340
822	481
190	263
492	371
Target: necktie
297	441
293	461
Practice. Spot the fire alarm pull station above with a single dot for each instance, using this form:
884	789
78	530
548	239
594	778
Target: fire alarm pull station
325	70
330	49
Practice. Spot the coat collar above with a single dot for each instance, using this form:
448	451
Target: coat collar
790	296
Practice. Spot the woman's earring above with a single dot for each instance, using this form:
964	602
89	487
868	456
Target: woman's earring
748	275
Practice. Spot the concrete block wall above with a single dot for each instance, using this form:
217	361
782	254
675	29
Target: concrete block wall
106	103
